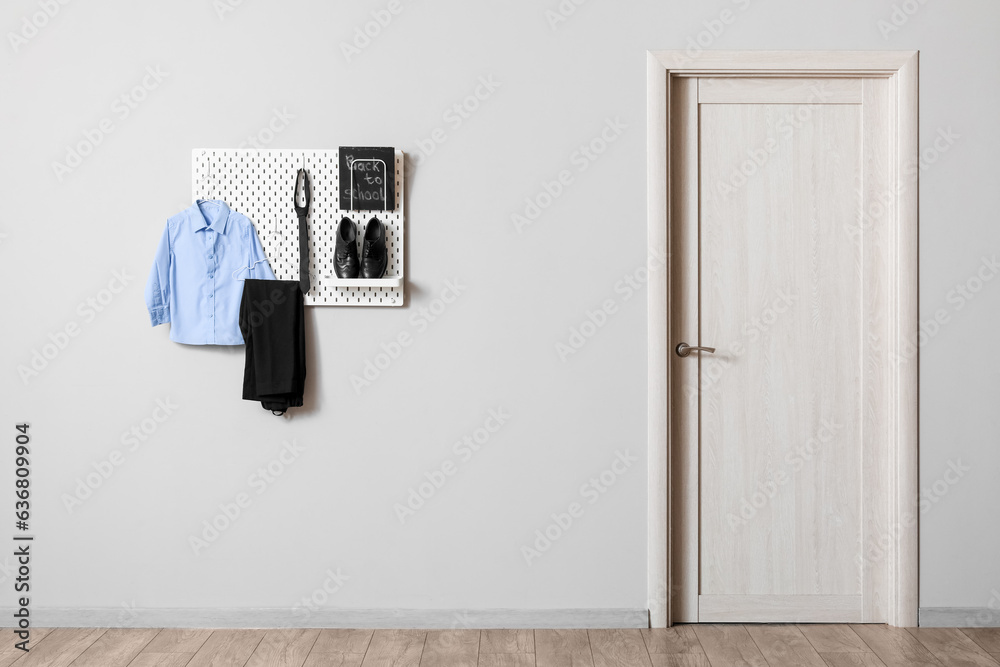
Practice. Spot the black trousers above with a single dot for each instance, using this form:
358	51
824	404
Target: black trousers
273	326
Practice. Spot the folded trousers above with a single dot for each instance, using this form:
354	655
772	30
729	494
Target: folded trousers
273	326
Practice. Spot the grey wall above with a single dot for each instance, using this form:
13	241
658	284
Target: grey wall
65	236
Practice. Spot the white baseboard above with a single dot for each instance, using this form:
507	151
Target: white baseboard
57	617
958	617
60	617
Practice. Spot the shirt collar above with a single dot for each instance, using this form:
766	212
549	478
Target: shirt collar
215	215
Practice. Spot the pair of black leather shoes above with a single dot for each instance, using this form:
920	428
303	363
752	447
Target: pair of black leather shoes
374	256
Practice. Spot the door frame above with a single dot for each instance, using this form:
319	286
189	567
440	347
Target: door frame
901	253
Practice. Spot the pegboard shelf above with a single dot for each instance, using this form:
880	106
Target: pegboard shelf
259	184
388	281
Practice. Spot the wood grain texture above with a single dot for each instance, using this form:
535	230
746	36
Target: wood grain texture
395	648
764	62
342	641
784	90
953	647
507	641
451	648
904	432
684	373
9	653
784	646
60	647
780	608
781	301
737	645
729	646
161	660
334	660
227	648
852	660
872	232
618	648
987	638
562	648
674	640
900	70
679	660
283	648
178	640
895	646
115	648
833	639
506	660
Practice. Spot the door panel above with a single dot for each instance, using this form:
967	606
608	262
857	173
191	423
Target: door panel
778	608
783	520
738	90
789	214
781	300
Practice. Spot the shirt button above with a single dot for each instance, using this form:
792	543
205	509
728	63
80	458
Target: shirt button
211	256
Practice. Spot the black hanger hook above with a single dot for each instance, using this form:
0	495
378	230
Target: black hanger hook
302	210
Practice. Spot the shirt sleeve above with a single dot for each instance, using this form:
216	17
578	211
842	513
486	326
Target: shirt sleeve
257	262
158	283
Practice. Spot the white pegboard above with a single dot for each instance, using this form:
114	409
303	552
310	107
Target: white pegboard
259	184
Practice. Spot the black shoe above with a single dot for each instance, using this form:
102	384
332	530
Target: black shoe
374	256
345	257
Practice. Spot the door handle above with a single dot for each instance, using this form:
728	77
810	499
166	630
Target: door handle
683	349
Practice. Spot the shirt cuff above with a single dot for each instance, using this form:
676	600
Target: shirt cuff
159	315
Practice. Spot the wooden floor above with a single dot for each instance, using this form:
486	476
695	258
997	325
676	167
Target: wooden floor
680	646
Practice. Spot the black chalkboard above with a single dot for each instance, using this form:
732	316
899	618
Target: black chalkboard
367	178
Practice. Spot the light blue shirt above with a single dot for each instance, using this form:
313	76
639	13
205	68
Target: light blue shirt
196	282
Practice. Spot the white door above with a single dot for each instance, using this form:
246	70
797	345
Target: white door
777	270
